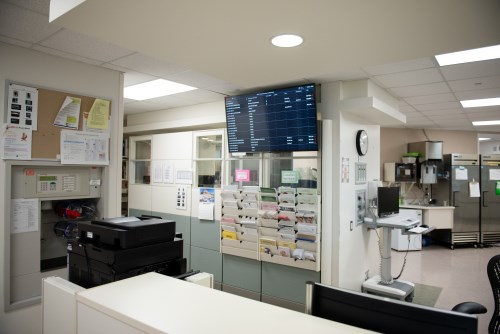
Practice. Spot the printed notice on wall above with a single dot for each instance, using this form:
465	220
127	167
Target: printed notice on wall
22	106
16	142
87	148
184	176
24	215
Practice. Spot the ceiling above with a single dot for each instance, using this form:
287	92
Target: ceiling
223	48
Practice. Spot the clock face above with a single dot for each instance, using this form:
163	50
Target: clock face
362	142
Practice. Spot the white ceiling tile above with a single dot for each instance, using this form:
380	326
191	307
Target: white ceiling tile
203	81
84	46
448	117
133	78
443	112
490	109
428	99
475	84
471	70
15	41
438	106
419	90
39	6
487	128
411	78
478	94
65	55
409	65
459	128
407	109
484	115
149	65
25	25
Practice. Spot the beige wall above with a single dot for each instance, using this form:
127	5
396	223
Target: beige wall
393	142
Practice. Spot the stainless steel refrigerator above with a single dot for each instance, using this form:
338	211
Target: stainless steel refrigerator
490	201
459	187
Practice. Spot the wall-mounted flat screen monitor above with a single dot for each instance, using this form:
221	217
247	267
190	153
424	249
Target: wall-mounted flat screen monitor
387	201
277	120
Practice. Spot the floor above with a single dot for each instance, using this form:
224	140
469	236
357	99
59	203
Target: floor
461	273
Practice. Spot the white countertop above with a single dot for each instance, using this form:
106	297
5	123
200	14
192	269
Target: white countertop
426	207
156	303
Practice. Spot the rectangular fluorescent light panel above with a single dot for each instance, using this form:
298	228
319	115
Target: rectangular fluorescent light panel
480	123
156	88
468	56
483	139
481	103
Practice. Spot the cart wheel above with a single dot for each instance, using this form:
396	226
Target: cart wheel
481	246
475	245
452	247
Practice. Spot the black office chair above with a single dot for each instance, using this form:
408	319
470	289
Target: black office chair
493	270
494	277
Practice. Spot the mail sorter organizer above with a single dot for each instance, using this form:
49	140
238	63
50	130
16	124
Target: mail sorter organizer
280	227
239	223
289	232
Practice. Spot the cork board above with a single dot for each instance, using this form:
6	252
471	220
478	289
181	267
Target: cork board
46	140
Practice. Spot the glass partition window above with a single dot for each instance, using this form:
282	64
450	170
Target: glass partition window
208	158
244	172
140	160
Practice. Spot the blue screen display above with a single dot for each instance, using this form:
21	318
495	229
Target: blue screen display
273	121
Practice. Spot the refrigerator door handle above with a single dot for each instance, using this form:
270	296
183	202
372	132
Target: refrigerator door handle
453	198
484	197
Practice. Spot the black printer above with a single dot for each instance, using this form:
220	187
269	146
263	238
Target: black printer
113	249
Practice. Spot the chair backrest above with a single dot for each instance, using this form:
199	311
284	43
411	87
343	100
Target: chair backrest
494	277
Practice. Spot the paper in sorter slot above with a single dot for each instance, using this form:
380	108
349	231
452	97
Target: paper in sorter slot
229	235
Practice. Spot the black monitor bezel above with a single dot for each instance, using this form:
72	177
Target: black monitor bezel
386	315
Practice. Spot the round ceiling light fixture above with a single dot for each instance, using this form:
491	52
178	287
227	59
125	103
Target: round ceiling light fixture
287	41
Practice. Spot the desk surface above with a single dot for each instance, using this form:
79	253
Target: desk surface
426	207
156	303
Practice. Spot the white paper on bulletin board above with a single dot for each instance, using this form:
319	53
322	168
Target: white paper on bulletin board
22	106
16	142
84	148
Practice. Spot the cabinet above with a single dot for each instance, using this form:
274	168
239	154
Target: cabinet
440	217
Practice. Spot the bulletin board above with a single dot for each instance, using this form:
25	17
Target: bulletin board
46	140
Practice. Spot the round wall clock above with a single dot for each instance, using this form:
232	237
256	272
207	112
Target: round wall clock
362	142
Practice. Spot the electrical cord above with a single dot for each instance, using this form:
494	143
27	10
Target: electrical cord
404	260
382	258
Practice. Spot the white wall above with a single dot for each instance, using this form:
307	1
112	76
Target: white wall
41	70
353	252
200	116
489	147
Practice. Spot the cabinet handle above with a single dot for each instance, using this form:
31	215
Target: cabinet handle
454	204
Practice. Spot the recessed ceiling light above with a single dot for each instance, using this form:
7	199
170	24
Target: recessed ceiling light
481	103
482	139
467	56
480	123
155	88
287	41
